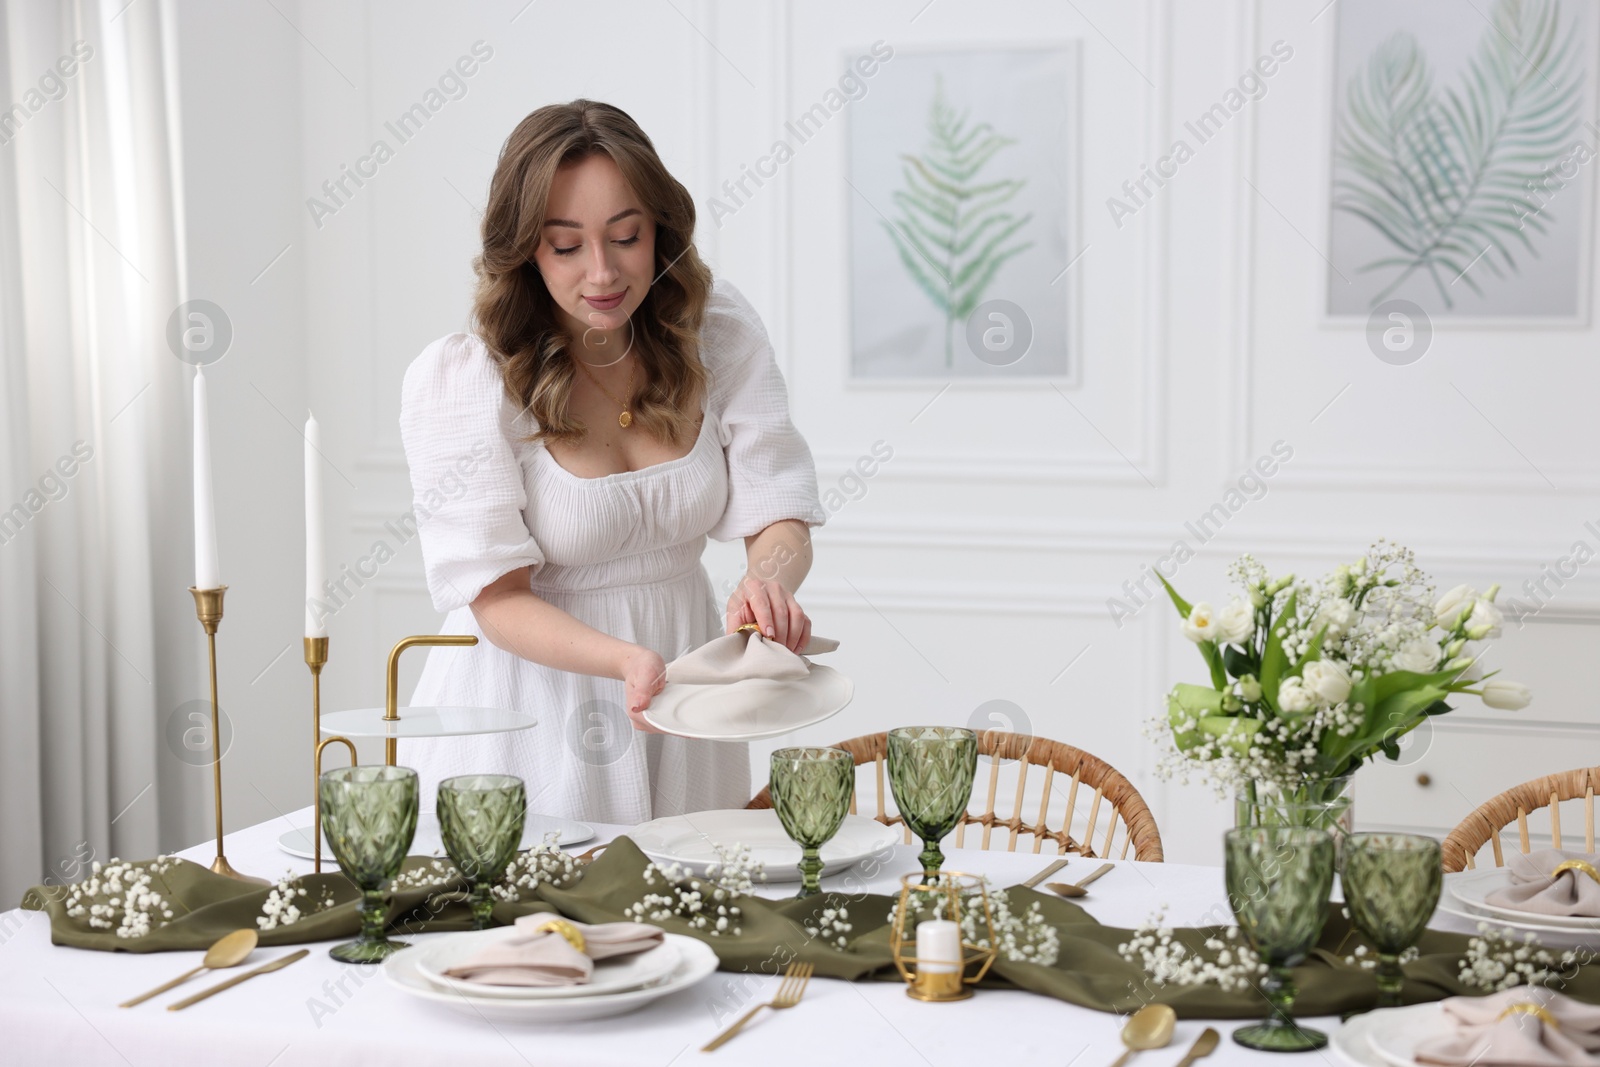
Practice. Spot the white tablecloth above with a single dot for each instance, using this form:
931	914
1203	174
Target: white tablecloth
58	1005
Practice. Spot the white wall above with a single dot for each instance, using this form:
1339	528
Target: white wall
978	564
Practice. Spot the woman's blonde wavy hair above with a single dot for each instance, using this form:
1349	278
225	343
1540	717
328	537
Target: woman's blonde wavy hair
513	311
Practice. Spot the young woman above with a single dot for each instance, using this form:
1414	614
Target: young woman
612	407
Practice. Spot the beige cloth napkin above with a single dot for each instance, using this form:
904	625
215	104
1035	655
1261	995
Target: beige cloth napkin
1530	887
548	959
744	654
1480	1032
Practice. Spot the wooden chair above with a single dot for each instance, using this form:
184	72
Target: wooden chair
1109	788
1514	805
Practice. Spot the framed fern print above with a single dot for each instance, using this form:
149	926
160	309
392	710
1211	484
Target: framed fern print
963	215
1463	158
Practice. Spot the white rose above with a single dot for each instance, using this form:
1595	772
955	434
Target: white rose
1484	621
1450	606
1418	654
1337	616
1293	696
1507	696
1236	623
1327	679
1201	625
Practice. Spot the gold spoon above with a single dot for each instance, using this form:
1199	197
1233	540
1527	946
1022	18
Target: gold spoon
1150	1028
1204	1045
1067	889
229	951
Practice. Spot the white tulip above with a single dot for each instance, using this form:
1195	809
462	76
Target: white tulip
1507	696
1293	696
1328	680
1236	623
1201	625
1484	621
1450	607
1418	654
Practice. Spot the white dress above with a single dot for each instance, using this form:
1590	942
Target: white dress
619	552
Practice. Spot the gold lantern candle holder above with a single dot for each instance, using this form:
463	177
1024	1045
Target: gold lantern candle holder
940	978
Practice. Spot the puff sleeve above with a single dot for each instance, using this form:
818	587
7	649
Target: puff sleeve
467	483
771	473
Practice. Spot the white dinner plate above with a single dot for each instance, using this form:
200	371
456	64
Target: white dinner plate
750	710
1352	1039
695	962
1472	888
687	839
1395	1033
615	975
429	841
1550	937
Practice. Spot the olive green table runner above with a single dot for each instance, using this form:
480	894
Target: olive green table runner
1088	970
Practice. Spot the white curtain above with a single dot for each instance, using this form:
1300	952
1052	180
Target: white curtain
97	630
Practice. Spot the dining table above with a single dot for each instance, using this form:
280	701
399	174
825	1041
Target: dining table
58	1005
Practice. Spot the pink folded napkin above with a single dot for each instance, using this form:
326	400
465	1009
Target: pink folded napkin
744	654
1531	888
1526	1026
547	958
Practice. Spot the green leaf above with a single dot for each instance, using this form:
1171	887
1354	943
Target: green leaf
1238	661
1187	702
1234	732
1183	606
1274	661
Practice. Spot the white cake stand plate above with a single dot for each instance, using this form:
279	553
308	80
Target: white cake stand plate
424	722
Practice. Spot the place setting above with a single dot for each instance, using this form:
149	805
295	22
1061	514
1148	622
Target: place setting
1552	893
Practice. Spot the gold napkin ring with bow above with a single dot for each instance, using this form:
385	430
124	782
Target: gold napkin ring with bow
1538	1011
1575	865
573	935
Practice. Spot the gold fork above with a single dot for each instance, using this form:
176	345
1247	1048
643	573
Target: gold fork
792	988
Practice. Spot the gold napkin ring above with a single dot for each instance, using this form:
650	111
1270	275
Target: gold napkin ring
1538	1011
573	935
753	627
1575	865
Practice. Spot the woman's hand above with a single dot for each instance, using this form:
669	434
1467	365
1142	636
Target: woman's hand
644	673
771	607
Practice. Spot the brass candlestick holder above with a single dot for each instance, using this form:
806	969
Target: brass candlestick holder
208	608
939	979
316	659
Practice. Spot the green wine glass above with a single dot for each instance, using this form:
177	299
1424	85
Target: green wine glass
811	790
1278	881
1391	884
480	819
930	774
369	815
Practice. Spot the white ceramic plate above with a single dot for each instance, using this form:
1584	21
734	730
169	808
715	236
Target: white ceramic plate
1552	937
614	975
423	722
751	710
687	839
1352	1040
429	842
695	962
1473	887
1396	1033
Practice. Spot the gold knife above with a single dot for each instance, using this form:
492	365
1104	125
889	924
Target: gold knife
267	968
1047	872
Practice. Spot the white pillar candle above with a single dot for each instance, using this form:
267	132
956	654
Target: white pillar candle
938	947
206	574
316	557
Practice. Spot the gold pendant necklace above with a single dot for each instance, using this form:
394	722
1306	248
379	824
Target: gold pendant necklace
626	418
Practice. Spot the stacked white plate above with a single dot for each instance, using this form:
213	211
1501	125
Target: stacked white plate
1389	1037
1466	896
618	985
688	840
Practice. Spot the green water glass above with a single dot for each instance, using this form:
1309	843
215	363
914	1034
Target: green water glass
1391	885
369	816
811	790
930	775
1278	881
481	818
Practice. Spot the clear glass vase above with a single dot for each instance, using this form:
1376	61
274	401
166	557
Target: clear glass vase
1314	803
